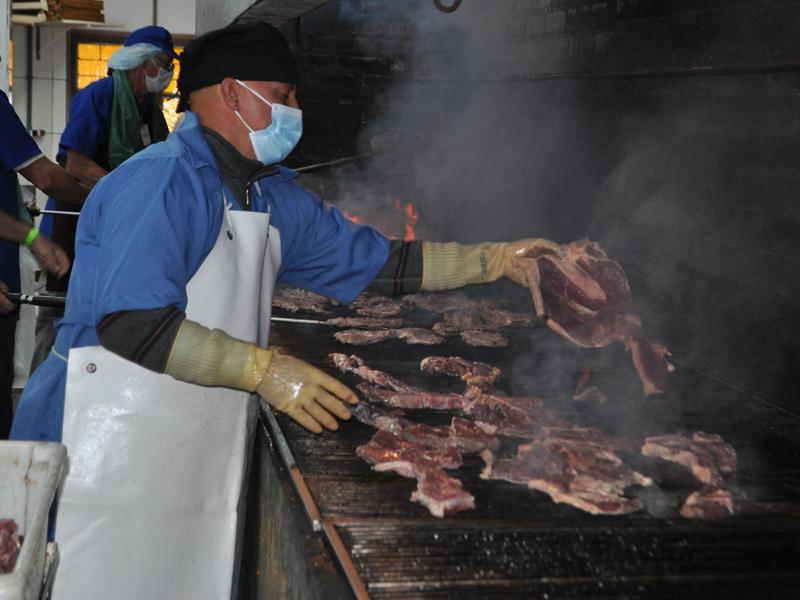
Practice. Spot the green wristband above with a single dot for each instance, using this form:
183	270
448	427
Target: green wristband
31	236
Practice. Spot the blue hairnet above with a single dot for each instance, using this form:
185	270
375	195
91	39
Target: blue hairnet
130	57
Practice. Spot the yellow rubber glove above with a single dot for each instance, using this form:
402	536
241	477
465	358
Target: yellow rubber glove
212	358
452	265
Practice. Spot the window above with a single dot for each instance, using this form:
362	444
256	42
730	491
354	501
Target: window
90	53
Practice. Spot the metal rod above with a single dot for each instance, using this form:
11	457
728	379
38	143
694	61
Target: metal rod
333	163
287	457
345	560
37	299
291	320
37	211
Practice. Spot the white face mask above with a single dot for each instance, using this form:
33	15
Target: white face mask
158	83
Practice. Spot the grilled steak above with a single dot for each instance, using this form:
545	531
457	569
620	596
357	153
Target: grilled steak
374	305
439	493
709	503
412	335
442	495
590	480
483	317
705	454
365	323
392	421
519	417
438	303
484	339
9	545
585	297
417	399
297	300
353	364
470	372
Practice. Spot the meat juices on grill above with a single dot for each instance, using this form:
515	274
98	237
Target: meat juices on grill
484	339
365	323
418	399
438	492
411	335
10	544
582	476
705	454
708	503
353	364
584	296
297	300
470	372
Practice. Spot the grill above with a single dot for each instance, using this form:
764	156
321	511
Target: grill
518	543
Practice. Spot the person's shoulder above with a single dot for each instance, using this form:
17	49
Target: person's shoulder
99	94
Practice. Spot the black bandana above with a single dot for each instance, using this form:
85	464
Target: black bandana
250	52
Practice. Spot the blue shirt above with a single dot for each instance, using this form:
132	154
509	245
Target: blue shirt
147	227
88	131
17	149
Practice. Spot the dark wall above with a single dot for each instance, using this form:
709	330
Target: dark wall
668	130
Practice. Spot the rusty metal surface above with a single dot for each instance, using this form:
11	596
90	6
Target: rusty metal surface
518	542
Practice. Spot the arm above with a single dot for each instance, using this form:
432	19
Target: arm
83	168
48	253
163	340
55	181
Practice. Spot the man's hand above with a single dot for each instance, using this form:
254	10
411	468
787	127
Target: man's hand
305	393
50	255
6	306
527	248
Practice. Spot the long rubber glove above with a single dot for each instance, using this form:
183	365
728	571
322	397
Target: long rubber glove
452	265
211	357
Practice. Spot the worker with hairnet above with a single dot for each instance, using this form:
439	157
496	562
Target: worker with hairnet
163	347
110	120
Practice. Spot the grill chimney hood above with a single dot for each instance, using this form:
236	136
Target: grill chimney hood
213	14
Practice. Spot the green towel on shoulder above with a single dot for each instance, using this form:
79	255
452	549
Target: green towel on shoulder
126	138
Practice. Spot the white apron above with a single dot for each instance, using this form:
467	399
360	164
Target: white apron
154	500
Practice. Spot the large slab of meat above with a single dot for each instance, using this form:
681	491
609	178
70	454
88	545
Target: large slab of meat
440	494
588	476
584	296
297	300
9	545
705	454
410	335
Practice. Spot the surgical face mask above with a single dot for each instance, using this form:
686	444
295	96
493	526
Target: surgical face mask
274	143
158	83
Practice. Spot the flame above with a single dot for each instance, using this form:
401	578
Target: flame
412	216
352	217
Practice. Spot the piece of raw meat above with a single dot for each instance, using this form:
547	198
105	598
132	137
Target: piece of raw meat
484	339
713	503
365	323
705	454
297	300
419	399
584	296
392	421
9	545
353	364
469	371
411	335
